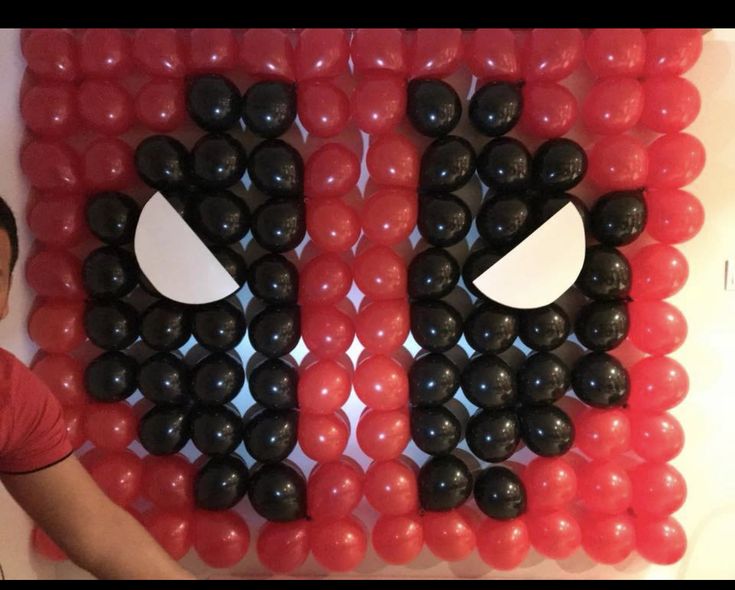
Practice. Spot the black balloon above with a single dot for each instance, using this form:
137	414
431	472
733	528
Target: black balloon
477	263
433	107
443	219
213	102
164	379
606	274
447	164
546	429
216	430
220	217
279	224
500	493
270	435
504	164
493	435
436	431
221	483
276	169
162	162
432	274
218	161
232	262
433	379
602	325
491	328
112	217
619	217
182	199
111	325
435	325
600	380
165	325
495	108
444	483
269	108
111	377
488	382
559	165
548	206
544	328
275	279
218	326
164	430
278	493
276	330
273	384
217	379
543	378
505	220
109	272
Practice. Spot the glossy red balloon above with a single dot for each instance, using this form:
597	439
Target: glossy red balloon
160	105
171	530
604	486
382	326
674	215
119	474
267	53
656	436
389	215
383	435
392	160
104	53
602	434
44	546
379	102
110	427
327	331
618	162
555	535
398	539
57	326
331	171
212	50
657	383
321	53
659	271
168	481
608	539
52	54
435	53
55	274
51	166
616	52
338	545
381	383
283	546
332	225
57	221
64	376
672	51
449	535
503	544
675	160
74	421
390	487
613	105
334	489
672	103
323	437
324	387
221	539
378	49
492	55
108	165
552	54
49	109
662	541
380	273
160	52
325	279
656	327
549	109
658	490
323	108
551	484
105	106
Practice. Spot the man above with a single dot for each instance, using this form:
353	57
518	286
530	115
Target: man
39	470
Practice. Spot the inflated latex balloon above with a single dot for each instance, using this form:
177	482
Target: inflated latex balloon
333	225
111	325
278	493
433	379
662	541
269	108
656	437
51	166
381	382
398	539
334	489
672	103
110	427
559	165
273	384
49	109
56	274
216	430
547	430
221	483
217	161
447	164
164	430
658	490
544	328
657	384
104	53
659	271
551	484
391	488
656	327
323	437
321	53
489	382
495	108
218	326
602	325
57	326
619	162
616	52
492	54
383	435
280	224
449	535
112	217
389	216
325	279
332	171
600	380
380	273
383	326
267	53
552	54
338	545
211	49
168	482
674	160
500	493
443	219
52	54
217	379
64	376
435	431
283	546
603	434
608	539
433	107
105	107
162	162
613	105
274	279
619	217
444	483
493	435
435	325
160	105
672	51
432	274
549	109
220	217
221	539
57	221
276	169
504	163
434	53
110	272
111	377
378	49
164	326
213	102
556	535
605	487
323	387
491	328
379	102
270	435
606	274
160	52
118	474
504	221
674	215
392	160
323	108
108	165
542	378
503	545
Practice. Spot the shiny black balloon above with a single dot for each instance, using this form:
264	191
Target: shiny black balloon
600	380
164	430
217	379
491	328
213	102
546	429
433	107
278	493
182	200
233	262
606	274
543	378
443	219
111	325
432	274
504	164
220	217
436	431
477	263
433	379
276	169
112	217
493	435
216	430
500	493
165	325
619	217
275	279
447	164
495	108
444	483
218	161
279	224
221	483
273	384
111	377
218	326
109	272
164	379
488	382
435	325
548	206
544	328
162	162
270	435
276	330
602	325
505	220
269	108
559	165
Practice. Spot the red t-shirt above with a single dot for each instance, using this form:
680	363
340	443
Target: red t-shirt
32	429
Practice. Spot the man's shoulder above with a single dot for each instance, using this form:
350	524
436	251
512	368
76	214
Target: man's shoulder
9	367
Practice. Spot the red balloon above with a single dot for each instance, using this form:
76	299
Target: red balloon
160	52
283	546
326	279
105	106
221	539
119	474
551	484
658	490
381	383
657	383
398	539
323	108
656	437
492	54
616	52
74	421
435	53
392	160
323	437
555	535
549	109
552	54
604	486
44	546
327	331
64	376
659	271
391	489
55	274
618	162
660	541
171	530
212	50
52	54
333	225
383	435
378	49
613	105
104	53
324	387
602	434
57	326
675	160
57	220
160	105
267	53
49	109
389	215
331	171
656	327
110	427
108	165
674	215
672	103
503	544
380	273
168	482
379	102
608	539
51	166
448	535
382	326
672	51
321	53
334	489
338	545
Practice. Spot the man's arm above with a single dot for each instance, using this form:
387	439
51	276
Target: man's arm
96	534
